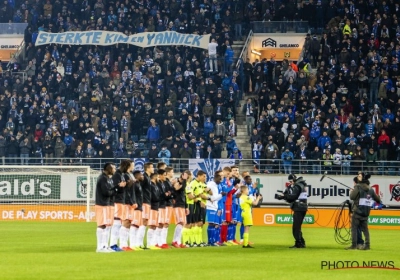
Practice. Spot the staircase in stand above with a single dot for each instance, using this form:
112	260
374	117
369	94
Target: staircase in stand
242	139
237	47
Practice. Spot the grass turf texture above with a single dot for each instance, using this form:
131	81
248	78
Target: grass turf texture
55	250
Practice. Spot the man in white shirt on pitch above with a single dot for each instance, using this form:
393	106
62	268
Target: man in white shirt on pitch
212	217
212	52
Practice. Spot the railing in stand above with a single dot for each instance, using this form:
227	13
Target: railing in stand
12	28
280	26
265	166
20	53
243	53
21	74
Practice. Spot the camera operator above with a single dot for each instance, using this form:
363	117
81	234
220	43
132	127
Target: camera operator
362	195
296	195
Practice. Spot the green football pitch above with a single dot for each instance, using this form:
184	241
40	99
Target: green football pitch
55	250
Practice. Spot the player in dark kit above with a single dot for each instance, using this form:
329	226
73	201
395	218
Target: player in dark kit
168	183
134	238
153	218
148	170
104	193
127	166
146	190
119	205
165	195
180	207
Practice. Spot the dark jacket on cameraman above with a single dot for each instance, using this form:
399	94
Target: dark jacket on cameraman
296	195
361	195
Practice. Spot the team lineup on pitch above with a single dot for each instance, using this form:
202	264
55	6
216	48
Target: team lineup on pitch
129	203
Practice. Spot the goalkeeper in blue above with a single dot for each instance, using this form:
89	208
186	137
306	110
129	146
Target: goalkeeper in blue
246	203
212	217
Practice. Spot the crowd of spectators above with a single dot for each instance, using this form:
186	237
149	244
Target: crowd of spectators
179	102
85	102
343	115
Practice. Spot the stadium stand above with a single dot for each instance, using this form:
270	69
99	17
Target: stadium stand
339	105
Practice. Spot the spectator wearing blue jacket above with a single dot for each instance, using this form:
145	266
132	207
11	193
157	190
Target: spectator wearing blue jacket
230	145
351	137
208	127
369	128
153	132
389	83
164	154
315	133
68	68
389	115
236	154
291	115
228	58
17	17
68	140
287	157
226	82
111	18
280	115
323	140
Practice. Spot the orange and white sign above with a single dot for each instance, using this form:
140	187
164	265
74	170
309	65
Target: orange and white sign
43	212
9	46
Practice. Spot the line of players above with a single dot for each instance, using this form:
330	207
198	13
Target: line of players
129	202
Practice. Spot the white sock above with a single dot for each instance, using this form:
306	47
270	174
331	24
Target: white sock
140	236
158	237
99	234
164	234
132	237
150	237
115	232
106	236
178	234
123	237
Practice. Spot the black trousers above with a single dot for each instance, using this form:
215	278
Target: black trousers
298	217
359	223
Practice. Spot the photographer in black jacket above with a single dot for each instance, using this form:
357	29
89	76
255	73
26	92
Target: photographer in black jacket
296	195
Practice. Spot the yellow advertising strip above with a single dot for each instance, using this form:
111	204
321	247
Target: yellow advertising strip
318	217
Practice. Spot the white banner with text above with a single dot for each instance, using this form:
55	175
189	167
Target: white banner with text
107	38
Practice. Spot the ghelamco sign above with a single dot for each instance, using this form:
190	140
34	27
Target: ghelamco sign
272	43
280	41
